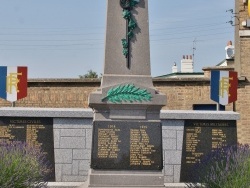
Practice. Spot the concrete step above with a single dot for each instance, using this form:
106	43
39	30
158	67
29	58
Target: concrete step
85	185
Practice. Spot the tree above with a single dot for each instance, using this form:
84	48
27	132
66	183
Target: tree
90	74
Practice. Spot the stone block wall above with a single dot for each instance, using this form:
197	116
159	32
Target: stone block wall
172	140
72	143
72	130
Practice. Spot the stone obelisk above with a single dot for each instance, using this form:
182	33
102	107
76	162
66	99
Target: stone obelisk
127	141
115	70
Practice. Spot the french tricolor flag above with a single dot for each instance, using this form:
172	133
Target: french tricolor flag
224	86
13	83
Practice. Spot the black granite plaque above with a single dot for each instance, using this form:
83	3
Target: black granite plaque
34	131
127	145
201	137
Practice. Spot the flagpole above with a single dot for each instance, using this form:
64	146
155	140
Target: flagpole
217	106
234	106
13	104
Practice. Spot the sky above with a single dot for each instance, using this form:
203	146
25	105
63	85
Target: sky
65	38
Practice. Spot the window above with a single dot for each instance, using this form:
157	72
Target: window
207	107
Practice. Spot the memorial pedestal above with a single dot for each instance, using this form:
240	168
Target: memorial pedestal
126	152
127	143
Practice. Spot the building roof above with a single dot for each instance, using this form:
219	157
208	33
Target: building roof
222	63
182	74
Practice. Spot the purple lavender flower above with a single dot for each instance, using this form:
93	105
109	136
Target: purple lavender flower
224	168
22	166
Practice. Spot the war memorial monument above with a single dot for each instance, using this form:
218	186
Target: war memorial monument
125	140
127	130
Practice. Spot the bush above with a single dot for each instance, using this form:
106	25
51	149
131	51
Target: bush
22	166
224	168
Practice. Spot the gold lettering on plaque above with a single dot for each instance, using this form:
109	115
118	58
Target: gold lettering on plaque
108	142
31	134
192	142
9	132
140	147
6	131
219	138
25	121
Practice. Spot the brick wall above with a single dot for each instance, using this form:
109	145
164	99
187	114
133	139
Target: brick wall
243	107
245	56
57	93
242	65
181	94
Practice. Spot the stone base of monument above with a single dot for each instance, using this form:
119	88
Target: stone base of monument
101	178
65	184
85	185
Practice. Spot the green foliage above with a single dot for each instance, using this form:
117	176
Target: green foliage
127	6
224	168
90	74
133	3
132	25
128	3
125	3
127	93
125	47
126	14
130	34
22	166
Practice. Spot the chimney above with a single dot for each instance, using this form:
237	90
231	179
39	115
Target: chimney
229	50
187	64
174	68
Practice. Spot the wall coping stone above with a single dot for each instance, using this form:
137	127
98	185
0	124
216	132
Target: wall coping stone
222	68
64	80
47	112
88	113
98	80
199	114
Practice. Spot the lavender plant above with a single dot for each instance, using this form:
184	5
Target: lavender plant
224	168
22	166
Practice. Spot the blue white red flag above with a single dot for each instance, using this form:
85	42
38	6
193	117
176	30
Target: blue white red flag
13	83
224	86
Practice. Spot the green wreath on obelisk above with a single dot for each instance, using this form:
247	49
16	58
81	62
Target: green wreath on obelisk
127	93
127	6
